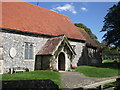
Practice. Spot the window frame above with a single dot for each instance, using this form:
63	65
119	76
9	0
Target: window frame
28	58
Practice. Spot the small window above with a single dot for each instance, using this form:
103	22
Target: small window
31	52
28	51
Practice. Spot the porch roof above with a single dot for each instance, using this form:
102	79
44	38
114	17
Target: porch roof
52	45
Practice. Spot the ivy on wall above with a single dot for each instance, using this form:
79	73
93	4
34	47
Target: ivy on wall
65	48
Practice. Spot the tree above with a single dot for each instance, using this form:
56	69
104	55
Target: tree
112	26
87	30
110	51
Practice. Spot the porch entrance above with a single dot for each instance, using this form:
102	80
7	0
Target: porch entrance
61	61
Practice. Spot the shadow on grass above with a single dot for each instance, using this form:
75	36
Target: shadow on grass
29	84
114	65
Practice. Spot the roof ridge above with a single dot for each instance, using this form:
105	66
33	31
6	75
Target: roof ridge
38	20
89	40
81	28
44	8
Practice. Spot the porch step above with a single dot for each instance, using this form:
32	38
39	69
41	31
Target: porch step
62	71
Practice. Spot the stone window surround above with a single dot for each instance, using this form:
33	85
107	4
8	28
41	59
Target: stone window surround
74	47
24	51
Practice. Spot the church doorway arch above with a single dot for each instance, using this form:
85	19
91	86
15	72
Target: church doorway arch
61	61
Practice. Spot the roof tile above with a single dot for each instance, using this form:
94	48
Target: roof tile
50	46
23	16
89	40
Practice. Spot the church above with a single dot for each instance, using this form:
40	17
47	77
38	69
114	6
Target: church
37	39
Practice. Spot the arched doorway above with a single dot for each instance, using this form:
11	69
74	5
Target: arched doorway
61	61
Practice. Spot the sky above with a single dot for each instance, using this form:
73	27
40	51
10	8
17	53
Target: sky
90	14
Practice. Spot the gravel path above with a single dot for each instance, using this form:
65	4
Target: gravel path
76	79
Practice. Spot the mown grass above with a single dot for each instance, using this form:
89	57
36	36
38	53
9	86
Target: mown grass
99	72
45	74
109	61
112	84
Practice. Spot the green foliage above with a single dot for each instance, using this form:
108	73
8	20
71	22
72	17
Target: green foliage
87	30
54	76
108	51
110	61
60	47
66	49
112	26
112	84
92	71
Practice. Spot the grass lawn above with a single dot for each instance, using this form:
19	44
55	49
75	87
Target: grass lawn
45	74
109	61
99	72
112	84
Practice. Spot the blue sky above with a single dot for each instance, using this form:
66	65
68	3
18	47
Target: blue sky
90	14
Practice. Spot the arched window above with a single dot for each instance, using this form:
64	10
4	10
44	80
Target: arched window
28	51
31	51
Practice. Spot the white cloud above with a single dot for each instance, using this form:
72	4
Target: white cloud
54	10
84	9
66	7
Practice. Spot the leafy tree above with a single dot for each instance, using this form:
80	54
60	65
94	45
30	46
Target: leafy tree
87	30
112	26
106	51
110	51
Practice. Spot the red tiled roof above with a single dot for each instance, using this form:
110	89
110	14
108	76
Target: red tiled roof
89	40
23	16
52	45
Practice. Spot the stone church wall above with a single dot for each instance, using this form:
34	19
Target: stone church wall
1	54
85	55
78	50
17	42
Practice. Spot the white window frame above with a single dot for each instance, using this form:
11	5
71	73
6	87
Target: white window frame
28	59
